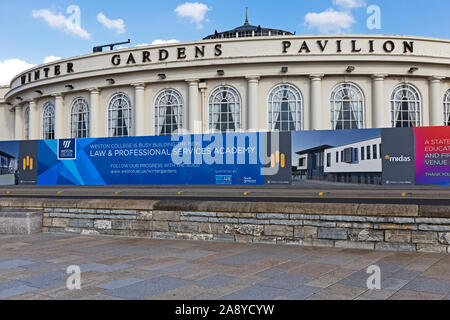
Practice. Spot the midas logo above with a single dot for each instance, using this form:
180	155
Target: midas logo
278	158
397	159
28	163
66	144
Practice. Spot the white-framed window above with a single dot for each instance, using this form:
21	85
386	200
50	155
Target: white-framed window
347	107
224	110
80	118
285	108
447	108
49	121
406	106
169	111
26	115
120	116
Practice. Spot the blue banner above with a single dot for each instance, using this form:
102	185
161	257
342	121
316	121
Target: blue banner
219	159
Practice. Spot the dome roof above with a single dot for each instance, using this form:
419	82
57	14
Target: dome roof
247	30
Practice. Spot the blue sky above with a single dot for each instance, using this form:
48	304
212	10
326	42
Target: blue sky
35	30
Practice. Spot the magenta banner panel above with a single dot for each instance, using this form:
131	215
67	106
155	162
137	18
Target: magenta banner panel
432	155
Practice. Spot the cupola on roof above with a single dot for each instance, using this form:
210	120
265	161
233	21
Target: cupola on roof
247	30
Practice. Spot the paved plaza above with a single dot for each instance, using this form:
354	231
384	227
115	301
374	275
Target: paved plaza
34	267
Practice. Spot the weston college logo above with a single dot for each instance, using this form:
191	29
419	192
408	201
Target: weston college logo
278	158
28	163
67	149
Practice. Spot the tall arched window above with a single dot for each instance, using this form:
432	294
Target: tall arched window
120	116
80	118
49	121
347	107
447	108
168	112
285	108
405	106
224	110
27	123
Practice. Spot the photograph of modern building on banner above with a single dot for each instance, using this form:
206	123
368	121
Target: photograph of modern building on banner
350	156
9	152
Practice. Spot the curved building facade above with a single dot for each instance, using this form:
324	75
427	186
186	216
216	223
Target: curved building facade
251	81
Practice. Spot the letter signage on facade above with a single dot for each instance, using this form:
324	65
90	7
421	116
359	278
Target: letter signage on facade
194	52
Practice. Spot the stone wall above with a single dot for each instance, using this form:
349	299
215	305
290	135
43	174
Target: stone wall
362	226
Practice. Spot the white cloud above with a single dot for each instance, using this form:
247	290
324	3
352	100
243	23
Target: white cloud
51	59
60	22
156	42
10	68
349	4
195	11
329	21
118	25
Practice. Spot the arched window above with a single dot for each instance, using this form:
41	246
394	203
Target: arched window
119	116
405	106
27	123
49	121
285	108
168	112
80	118
347	107
447	108
224	110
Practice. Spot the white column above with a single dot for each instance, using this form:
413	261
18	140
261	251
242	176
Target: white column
252	123
315	110
139	91
34	121
18	123
436	102
59	117
380	106
204	110
94	114
194	126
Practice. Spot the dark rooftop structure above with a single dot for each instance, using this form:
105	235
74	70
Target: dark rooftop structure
315	149
248	30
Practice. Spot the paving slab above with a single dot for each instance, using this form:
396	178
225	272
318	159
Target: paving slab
147	288
256	293
415	295
242	259
272	273
376	295
11	292
215	281
11	284
303	292
119	283
429	285
286	281
14	263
